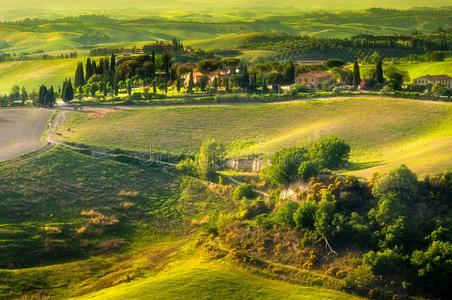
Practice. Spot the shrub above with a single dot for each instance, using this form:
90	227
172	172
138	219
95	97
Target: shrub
330	152
401	182
187	167
284	215
210	156
307	170
256	208
244	191
304	217
284	165
384	262
434	268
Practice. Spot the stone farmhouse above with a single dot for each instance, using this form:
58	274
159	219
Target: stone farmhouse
314	79
432	79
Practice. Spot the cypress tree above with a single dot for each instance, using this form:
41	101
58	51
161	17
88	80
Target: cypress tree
50	96
79	79
291	73
42	95
106	67
153	56
113	63
94	67
356	75
68	92
178	85
77	74
380	77
89	69
191	83
100	67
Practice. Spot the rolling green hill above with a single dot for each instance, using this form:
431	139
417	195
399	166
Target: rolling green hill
33	73
212	280
381	131
418	69
205	30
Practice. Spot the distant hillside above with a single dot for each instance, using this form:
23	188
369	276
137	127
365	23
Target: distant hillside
90	30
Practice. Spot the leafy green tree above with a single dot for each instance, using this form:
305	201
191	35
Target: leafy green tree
305	215
439	89
330	152
285	214
400	182
129	85
274	78
388	262
434	268
396	78
308	169
14	94
23	94
334	63
210	155
388	210
324	215
284	165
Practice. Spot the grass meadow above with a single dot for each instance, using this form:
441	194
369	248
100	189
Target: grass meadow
381	131
33	73
197	279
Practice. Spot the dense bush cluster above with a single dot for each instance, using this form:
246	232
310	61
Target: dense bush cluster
294	163
398	226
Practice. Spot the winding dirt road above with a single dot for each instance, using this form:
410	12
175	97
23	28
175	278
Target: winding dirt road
21	130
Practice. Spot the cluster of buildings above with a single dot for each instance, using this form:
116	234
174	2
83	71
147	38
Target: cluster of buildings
316	79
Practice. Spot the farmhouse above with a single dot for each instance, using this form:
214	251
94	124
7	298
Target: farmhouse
314	79
196	77
432	79
220	74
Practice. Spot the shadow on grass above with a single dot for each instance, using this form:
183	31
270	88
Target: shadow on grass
356	166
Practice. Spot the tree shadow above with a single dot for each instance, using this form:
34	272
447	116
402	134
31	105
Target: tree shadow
356	166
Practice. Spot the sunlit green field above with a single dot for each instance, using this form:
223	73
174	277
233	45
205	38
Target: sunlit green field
195	279
416	70
381	131
33	73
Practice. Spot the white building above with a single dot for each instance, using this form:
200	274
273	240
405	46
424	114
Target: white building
432	79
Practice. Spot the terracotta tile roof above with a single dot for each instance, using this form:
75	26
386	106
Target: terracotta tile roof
434	77
318	74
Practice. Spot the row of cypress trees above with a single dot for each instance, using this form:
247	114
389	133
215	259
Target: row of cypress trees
46	97
105	66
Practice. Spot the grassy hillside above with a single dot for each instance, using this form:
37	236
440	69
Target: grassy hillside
47	201
377	129
419	69
33	73
207	30
433	68
212	280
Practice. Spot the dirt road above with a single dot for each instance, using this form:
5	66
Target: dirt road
21	130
